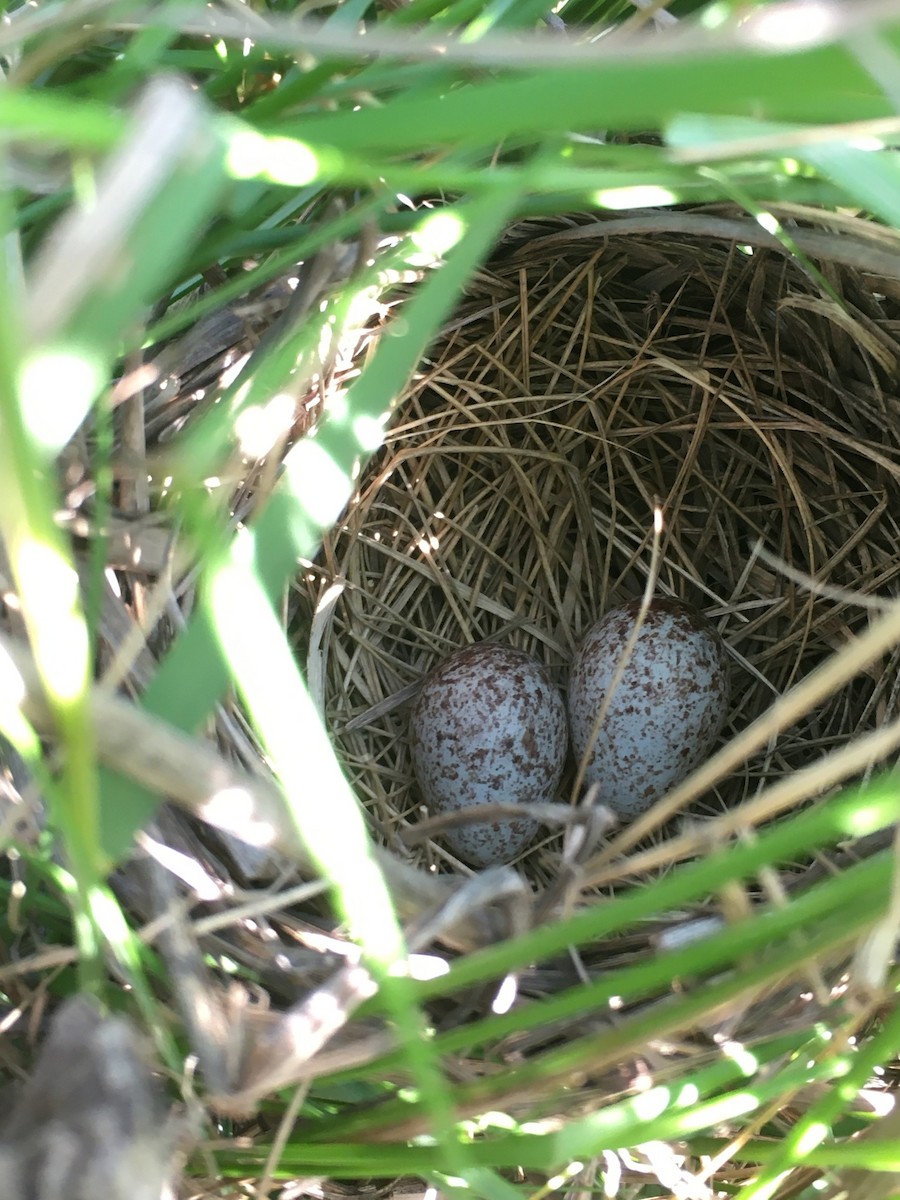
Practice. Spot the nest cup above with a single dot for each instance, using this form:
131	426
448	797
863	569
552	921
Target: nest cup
592	372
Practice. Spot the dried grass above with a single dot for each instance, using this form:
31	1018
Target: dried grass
591	372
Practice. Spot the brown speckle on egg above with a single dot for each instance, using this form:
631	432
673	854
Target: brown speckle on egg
488	726
666	711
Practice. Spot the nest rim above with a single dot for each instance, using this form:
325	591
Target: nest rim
376	637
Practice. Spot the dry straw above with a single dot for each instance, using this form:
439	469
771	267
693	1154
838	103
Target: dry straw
592	371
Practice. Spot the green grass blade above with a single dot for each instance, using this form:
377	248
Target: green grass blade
318	479
852	814
320	802
740	1083
868	173
47	583
857	895
814	1127
551	1070
821	84
59	120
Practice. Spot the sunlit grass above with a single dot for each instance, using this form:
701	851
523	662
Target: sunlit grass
381	174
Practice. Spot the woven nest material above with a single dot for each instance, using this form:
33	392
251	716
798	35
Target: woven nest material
592	372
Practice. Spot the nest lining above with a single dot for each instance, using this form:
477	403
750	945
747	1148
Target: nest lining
585	378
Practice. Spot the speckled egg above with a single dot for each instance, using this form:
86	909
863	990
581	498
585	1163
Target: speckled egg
666	711
488	725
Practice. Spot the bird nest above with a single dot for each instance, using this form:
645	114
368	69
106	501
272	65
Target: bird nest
598	376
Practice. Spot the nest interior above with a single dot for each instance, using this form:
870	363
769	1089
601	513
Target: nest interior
591	372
